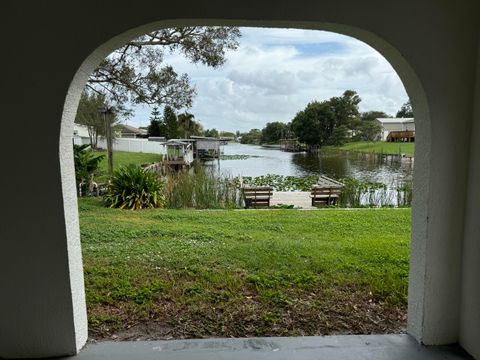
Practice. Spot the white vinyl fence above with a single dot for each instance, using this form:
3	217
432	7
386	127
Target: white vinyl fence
124	144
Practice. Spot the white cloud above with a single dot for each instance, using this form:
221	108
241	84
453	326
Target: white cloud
276	72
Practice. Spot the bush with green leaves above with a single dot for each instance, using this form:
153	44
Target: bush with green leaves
86	165
133	188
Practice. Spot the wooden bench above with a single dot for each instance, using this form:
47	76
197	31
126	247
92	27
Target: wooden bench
322	195
256	196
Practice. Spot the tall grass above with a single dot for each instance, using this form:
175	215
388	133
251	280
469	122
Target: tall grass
405	193
358	193
201	188
204	188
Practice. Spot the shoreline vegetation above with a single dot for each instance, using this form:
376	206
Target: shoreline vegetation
203	188
163	273
369	147
379	147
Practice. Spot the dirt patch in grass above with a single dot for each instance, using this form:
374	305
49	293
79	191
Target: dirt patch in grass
305	314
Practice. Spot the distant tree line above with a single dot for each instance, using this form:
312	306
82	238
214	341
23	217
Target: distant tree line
329	122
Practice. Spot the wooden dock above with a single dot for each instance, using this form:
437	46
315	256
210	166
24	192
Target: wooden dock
299	199
401	136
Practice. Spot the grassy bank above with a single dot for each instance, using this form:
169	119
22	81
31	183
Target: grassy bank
380	147
184	273
122	158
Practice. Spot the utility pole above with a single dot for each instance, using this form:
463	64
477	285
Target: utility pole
108	136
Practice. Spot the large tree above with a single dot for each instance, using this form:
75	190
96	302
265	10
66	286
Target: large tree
136	72
274	131
314	125
369	131
157	126
345	108
171	123
88	115
254	136
188	125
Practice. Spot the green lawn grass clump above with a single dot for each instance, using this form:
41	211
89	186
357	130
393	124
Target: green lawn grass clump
123	158
188	273
380	147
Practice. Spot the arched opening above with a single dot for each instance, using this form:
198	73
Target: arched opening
414	90
412	85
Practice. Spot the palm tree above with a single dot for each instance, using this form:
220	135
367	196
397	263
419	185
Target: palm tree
189	125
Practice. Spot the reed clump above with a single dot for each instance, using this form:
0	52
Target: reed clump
201	188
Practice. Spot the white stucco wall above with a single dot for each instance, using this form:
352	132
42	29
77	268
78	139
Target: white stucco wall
431	43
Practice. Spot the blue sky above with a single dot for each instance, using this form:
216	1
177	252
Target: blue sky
276	72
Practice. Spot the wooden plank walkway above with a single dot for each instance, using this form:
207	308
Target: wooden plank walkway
297	198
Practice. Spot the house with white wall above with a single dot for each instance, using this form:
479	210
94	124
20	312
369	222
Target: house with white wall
127	131
394	124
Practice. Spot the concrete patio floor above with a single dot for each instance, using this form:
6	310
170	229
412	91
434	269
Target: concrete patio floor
361	347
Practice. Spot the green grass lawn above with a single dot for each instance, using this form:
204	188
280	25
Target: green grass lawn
156	274
380	147
122	158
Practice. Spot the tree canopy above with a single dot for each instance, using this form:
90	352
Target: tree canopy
372	115
254	136
274	131
136	72
327	122
157	126
88	115
314	124
405	111
369	131
345	108
211	133
188	125
227	134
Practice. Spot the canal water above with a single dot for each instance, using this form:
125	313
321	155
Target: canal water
389	170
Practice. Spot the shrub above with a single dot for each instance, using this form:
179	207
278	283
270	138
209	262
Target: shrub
132	188
86	165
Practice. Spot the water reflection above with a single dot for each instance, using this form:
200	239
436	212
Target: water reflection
389	170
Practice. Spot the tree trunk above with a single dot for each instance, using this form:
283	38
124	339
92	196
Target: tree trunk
109	146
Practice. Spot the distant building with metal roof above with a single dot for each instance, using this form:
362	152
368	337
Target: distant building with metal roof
395	125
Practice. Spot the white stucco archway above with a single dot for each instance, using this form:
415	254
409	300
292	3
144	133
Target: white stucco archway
417	296
433	45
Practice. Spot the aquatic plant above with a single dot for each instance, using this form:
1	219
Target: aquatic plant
238	157
361	193
282	183
404	193
201	188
